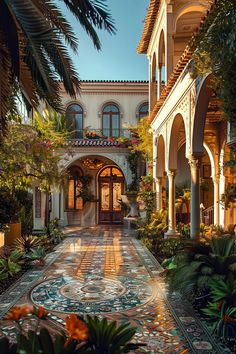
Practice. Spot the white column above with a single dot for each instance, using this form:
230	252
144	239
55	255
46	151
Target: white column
216	184
171	215
158	193
195	197
159	79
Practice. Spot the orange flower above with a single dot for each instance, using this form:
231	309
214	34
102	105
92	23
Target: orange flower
228	319
76	328
17	312
40	312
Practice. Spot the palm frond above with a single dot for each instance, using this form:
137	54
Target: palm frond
91	15
58	20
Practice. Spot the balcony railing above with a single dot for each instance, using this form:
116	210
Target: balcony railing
208	216
99	134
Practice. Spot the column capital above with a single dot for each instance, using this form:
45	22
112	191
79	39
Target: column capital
194	161
216	179
171	173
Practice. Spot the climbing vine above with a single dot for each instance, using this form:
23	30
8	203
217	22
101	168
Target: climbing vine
216	54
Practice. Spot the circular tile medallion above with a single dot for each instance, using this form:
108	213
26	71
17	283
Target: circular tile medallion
92	295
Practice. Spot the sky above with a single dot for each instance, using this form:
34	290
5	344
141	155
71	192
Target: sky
118	59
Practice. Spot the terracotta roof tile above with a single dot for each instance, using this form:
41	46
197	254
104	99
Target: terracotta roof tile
183	61
148	26
92	143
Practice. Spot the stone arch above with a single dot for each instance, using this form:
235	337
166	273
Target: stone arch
199	119
161	61
120	161
188	8
161	49
160	158
174	141
210	155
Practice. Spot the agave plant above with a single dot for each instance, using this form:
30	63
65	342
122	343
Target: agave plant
26	244
33	52
37	254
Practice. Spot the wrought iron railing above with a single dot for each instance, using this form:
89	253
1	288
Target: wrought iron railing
97	134
208	216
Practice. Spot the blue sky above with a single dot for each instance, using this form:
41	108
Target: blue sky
118	59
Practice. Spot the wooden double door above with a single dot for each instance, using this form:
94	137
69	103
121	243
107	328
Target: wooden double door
111	187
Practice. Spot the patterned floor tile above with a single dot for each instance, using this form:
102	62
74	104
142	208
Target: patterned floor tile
103	271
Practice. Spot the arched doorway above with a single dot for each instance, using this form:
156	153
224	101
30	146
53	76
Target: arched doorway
110	188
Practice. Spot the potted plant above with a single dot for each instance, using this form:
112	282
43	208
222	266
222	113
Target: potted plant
9	216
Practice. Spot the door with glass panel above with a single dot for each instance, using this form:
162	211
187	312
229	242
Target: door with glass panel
111	186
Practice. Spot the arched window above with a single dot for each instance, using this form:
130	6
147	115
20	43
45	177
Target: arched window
143	110
74	115
111	121
74	201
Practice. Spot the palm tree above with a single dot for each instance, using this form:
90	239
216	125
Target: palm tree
34	35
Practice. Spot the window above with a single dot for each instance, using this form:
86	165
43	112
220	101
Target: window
74	187
74	115
143	110
111	121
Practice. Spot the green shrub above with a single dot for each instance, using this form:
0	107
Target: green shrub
199	263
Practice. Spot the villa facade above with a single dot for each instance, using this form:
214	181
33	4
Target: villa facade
95	161
191	140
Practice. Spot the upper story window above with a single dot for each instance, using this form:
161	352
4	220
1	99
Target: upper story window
75	117
143	110
111	121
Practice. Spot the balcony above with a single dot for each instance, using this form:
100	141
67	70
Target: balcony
99	134
100	138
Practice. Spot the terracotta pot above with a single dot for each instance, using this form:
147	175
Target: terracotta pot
13	232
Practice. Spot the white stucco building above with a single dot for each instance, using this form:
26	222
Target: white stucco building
99	115
191	140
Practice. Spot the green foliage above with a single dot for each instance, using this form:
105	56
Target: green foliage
151	234
223	320
145	138
27	243
51	126
25	199
38	253
133	160
147	195
216	54
34	53
25	157
198	264
184	230
109	338
53	232
103	338
8	267
169	247
223	290
9	207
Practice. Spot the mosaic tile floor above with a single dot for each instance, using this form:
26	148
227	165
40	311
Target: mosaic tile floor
103	271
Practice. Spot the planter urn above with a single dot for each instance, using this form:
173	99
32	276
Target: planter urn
131	201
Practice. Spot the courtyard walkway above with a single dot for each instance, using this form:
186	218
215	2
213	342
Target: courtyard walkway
107	272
